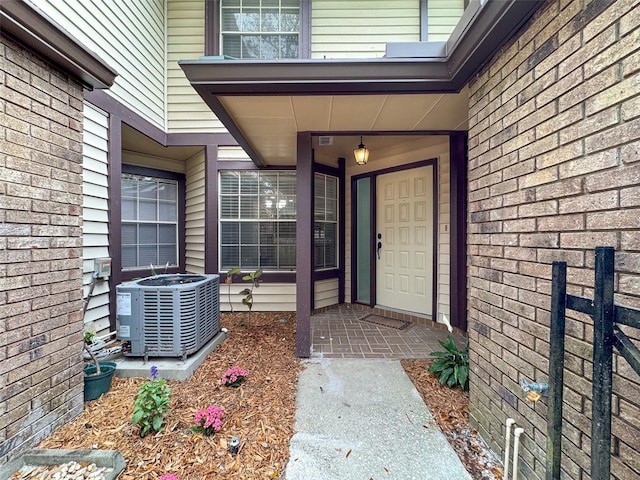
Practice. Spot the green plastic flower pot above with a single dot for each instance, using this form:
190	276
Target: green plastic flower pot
96	385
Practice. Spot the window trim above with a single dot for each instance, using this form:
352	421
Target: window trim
130	274
212	31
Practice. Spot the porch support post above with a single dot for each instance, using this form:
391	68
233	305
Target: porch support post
304	244
211	209
458	262
342	215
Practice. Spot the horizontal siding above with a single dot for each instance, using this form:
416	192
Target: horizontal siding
128	36
151	161
444	239
95	215
325	293
269	297
232	154
361	29
442	17
195	216
186	111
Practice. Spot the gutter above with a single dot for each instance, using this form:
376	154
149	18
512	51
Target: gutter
32	28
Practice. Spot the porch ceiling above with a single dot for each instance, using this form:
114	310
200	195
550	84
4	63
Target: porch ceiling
271	123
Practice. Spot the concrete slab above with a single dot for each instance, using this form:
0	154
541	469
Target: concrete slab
173	368
111	459
364	419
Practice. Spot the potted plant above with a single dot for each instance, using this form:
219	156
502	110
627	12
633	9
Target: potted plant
97	375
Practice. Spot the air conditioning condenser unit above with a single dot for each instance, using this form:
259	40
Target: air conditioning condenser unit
171	315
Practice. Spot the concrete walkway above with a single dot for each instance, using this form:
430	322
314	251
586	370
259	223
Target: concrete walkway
362	419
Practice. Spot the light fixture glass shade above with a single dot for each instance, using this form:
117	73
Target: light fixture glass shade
361	153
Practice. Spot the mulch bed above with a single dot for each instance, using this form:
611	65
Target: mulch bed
261	412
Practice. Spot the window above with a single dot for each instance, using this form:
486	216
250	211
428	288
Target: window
258	220
260	29
325	232
149	221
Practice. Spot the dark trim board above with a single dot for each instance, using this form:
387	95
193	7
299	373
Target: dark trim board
458	234
114	203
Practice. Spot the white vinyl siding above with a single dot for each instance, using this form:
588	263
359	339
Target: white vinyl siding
268	297
361	29
186	111
95	215
232	154
442	17
130	37
444	238
195	214
325	293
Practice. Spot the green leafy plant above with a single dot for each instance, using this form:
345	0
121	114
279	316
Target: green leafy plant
151	403
452	364
229	280
88	341
253	277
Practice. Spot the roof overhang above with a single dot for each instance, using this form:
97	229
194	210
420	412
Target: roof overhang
32	28
418	69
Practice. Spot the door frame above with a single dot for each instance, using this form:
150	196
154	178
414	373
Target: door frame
373	175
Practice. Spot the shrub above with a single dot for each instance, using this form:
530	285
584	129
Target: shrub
452	364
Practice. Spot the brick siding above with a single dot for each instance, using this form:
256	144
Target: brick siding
554	171
41	379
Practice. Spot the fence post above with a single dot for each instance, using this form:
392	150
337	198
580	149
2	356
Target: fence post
602	365
556	369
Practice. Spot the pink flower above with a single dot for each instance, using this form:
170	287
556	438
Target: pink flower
209	420
234	375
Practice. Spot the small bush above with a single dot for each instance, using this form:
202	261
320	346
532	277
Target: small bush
452	364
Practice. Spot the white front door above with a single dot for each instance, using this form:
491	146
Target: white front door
404	240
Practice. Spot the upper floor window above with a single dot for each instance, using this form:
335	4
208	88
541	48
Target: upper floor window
260	29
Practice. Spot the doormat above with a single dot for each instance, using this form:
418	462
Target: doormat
387	322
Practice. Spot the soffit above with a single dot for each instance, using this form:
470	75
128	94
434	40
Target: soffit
270	124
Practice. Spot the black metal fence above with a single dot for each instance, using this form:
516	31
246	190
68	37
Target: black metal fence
607	318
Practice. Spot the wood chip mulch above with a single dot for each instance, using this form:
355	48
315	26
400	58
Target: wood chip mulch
261	412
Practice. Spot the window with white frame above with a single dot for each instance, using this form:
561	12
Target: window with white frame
325	232
149	228
260	29
258	220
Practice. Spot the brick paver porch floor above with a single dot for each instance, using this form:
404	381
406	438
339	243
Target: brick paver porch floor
341	332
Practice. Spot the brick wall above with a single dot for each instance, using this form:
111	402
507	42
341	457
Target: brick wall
41	380
554	170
